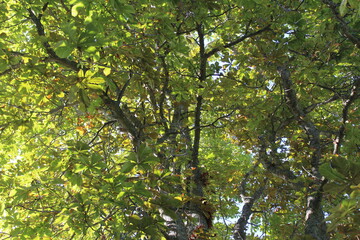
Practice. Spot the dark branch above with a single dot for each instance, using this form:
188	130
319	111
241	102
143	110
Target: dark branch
344	26
41	32
315	105
272	164
239	40
347	103
119	115
218	119
98	132
248	201
197	121
122	91
300	116
314	220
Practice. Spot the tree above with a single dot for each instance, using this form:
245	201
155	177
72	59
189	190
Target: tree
159	119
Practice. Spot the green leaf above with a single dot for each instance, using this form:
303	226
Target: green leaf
81	73
76	8
354	4
77	145
327	171
333	188
70	31
120	195
2	207
96	86
3	65
84	98
80	168
96	158
63	49
91	49
127	167
76	179
80	146
139	188
89	74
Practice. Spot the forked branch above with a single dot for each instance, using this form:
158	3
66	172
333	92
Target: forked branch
41	32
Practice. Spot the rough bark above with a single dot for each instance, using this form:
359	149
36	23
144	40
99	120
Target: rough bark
248	201
315	225
176	228
314	220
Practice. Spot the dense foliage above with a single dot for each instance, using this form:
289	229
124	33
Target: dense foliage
179	119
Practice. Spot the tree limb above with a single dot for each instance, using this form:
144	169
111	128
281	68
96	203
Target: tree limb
123	116
197	121
98	132
248	201
346	105
299	114
239	40
314	220
271	165
345	29
53	56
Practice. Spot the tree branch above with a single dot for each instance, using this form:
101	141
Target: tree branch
248	201
122	91
239	40
197	121
12	67
123	116
315	225
217	119
300	116
271	165
344	26
314	220
98	132
347	103
53	56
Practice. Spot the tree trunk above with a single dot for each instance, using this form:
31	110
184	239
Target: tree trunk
315	225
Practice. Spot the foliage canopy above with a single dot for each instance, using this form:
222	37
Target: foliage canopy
165	119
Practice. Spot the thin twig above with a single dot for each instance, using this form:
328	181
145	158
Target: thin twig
239	40
98	132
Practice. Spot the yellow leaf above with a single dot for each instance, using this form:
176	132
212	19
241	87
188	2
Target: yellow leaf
76	8
95	86
107	71
96	80
81	130
81	73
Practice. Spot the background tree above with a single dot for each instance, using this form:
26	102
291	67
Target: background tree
156	119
